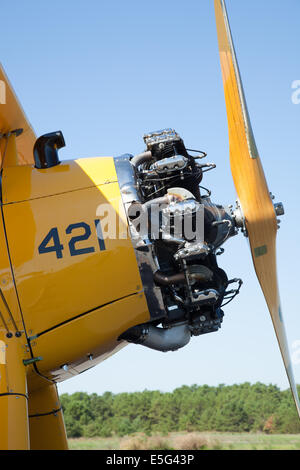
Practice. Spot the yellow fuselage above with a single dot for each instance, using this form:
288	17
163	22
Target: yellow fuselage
69	287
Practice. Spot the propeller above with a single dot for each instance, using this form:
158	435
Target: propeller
258	211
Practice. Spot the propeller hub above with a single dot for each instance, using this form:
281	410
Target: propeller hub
239	218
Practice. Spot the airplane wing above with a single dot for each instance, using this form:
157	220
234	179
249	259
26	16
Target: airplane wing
13	118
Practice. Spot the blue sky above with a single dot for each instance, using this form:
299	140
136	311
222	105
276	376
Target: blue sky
107	72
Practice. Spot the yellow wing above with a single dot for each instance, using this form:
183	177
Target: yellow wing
16	148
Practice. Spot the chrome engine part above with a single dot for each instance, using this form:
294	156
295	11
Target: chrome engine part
177	233
169	164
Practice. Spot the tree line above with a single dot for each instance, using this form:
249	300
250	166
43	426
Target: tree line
235	408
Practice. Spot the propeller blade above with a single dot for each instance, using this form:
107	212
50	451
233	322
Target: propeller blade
251	186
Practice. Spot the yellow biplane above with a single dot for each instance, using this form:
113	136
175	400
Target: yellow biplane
99	252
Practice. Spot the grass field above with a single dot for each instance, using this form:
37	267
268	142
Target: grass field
191	441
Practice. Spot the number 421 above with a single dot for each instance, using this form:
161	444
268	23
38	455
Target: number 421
51	242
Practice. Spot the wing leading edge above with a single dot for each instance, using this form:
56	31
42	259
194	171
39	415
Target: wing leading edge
17	136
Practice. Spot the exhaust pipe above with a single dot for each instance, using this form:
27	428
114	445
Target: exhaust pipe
141	158
159	339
